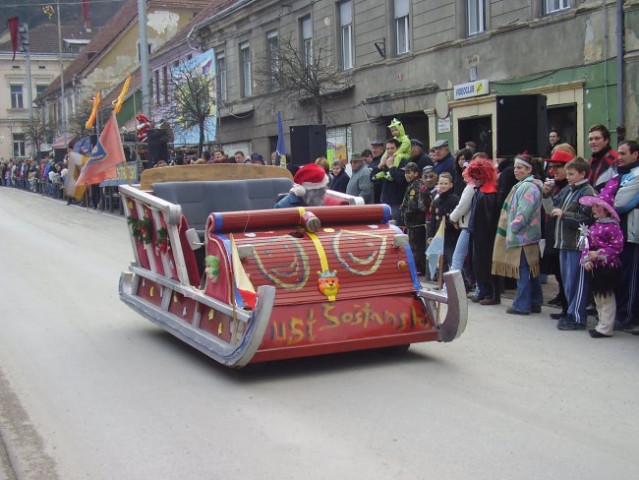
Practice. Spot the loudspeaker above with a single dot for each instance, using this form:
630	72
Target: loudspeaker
157	141
521	125
307	143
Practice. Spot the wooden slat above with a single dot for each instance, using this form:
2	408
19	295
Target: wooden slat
277	252
213	171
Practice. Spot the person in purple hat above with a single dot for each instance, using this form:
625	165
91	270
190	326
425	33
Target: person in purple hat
601	248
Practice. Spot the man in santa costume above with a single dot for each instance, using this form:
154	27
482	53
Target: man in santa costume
309	188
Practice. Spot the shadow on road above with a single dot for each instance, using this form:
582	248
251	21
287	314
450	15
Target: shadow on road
305	366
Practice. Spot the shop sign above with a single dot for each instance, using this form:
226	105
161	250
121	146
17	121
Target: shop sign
472	89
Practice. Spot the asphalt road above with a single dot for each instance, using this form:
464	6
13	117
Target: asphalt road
91	390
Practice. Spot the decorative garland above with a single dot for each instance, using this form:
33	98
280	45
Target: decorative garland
141	229
162	242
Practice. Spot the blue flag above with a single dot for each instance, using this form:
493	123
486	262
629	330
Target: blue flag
280	149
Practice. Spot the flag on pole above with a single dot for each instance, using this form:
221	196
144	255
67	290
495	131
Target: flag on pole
105	156
242	281
117	103
94	111
280	149
14	26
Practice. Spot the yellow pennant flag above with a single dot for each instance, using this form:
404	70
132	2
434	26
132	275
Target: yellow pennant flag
117	104
242	281
94	111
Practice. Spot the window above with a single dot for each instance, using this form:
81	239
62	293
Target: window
16	96
19	145
306	29
220	62
157	87
245	70
551	6
346	33
40	89
273	49
165	83
402	26
148	47
476	18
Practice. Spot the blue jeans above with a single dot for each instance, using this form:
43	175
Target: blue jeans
576	283
461	250
528	289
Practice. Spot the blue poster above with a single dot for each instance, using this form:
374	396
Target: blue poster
198	69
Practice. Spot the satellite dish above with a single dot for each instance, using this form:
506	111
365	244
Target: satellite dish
442	109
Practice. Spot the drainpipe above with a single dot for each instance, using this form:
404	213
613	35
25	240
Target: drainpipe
621	127
144	59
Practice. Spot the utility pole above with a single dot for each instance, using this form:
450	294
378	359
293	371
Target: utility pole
144	58
23	34
63	108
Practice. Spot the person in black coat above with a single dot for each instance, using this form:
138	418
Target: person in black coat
442	206
506	180
482	225
418	155
340	177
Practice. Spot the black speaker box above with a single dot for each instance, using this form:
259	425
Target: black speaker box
307	143
521	125
157	141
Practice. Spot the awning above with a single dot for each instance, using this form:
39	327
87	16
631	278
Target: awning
62	143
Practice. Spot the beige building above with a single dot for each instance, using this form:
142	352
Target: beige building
46	63
112	55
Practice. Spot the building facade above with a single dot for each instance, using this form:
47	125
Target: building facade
437	65
46	62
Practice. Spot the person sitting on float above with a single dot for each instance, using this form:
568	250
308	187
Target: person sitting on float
309	188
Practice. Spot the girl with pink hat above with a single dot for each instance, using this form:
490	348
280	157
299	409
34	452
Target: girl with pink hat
601	246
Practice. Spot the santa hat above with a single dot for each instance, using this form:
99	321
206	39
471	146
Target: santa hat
604	199
309	177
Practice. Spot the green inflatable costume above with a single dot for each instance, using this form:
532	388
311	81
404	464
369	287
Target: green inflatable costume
403	152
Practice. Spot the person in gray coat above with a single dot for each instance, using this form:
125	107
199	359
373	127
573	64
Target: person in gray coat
360	183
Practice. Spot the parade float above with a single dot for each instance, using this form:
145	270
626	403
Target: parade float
218	267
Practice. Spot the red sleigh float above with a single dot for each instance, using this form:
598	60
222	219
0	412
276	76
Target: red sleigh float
219	268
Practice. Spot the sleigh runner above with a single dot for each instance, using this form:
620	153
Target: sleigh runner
220	269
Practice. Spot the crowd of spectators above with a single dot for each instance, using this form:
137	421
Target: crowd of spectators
506	224
39	176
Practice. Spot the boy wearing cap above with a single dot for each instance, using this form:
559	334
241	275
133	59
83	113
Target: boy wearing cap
555	183
603	243
413	211
569	215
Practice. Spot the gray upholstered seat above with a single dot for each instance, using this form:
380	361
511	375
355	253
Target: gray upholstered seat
199	199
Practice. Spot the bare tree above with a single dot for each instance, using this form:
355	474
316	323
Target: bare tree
193	100
78	119
37	130
303	77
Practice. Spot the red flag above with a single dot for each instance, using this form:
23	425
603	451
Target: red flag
14	26
105	156
85	13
